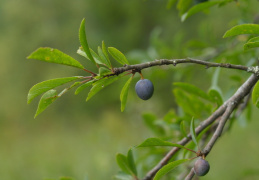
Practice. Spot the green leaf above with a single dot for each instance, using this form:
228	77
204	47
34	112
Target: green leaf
131	162
65	178
117	55
104	71
183	5
100	84
242	29
46	99
122	176
83	41
124	94
251	45
97	59
150	142
123	163
255	95
54	56
105	52
189	88
44	86
170	3
216	97
104	58
82	87
198	8
193	133
169	167
183	130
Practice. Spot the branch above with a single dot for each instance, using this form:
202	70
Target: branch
242	92
139	67
190	175
224	110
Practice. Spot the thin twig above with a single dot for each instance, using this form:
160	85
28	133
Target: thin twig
190	175
223	111
139	67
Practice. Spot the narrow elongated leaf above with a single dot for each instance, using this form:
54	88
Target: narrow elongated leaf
46	99
124	94
254	39
82	87
83	41
198	8
150	142
131	162
169	167
242	29
182	129
104	58
255	95
117	55
105	52
123	163
44	86
193	133
54	56
189	88
100	84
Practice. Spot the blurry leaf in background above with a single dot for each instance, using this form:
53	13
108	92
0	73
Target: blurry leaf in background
198	8
252	43
54	56
255	95
169	167
242	29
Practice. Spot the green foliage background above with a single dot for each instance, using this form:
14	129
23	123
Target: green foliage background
79	139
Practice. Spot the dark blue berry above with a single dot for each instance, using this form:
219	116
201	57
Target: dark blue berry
144	89
201	167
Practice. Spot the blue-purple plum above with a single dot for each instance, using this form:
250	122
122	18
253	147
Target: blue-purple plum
144	89
201	167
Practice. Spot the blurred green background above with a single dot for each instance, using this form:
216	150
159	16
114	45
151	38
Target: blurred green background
79	139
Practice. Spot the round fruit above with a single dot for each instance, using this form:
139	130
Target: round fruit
201	167
144	89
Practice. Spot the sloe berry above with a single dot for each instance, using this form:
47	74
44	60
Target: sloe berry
144	89
201	167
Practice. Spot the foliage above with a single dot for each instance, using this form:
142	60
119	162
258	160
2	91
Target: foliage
193	103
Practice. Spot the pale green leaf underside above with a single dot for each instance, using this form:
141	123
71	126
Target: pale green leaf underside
151	142
117	55
198	8
83	41
169	167
242	29
46	99
124	94
54	56
44	86
255	95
